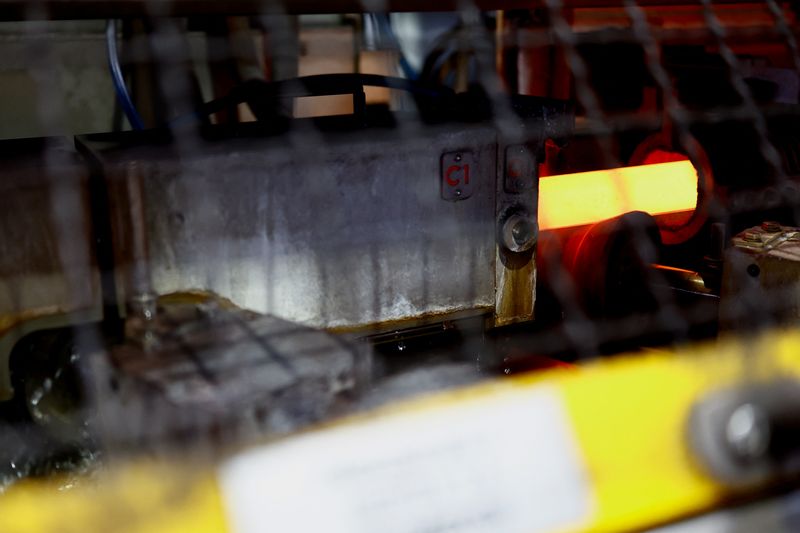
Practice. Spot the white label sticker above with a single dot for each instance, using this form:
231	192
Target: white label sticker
501	464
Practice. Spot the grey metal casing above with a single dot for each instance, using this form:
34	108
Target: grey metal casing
350	231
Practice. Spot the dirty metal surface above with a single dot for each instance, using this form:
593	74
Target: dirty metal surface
48	272
200	371
517	216
351	231
763	265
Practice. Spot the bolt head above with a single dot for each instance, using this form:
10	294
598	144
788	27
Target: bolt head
519	233
522	232
747	432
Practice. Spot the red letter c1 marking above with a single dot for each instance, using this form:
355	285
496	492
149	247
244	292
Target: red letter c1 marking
452	169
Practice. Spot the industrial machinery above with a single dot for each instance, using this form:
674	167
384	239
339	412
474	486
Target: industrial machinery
499	267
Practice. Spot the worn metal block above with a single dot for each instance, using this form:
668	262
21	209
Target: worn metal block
337	229
201	370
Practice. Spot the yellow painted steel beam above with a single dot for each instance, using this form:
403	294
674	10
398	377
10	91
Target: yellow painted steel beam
600	448
138	498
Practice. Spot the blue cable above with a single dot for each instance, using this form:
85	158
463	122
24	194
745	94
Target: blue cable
387	38
121	89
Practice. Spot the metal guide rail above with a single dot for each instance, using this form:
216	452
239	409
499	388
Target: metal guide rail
608	446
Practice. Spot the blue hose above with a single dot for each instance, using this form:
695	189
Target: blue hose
121	89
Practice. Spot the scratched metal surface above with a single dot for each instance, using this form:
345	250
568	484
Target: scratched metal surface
223	376
341	233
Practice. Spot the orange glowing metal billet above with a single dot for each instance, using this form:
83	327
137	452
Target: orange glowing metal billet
588	197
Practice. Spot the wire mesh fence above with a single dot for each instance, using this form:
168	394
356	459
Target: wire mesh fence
393	234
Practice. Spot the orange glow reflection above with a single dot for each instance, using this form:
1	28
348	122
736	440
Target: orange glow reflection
588	197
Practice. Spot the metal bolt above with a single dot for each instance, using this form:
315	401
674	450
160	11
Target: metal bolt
458	192
770	226
747	432
752	236
519	233
457	158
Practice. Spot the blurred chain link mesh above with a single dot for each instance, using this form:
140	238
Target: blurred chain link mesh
298	270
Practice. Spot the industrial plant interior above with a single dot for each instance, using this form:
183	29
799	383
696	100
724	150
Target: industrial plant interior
486	266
